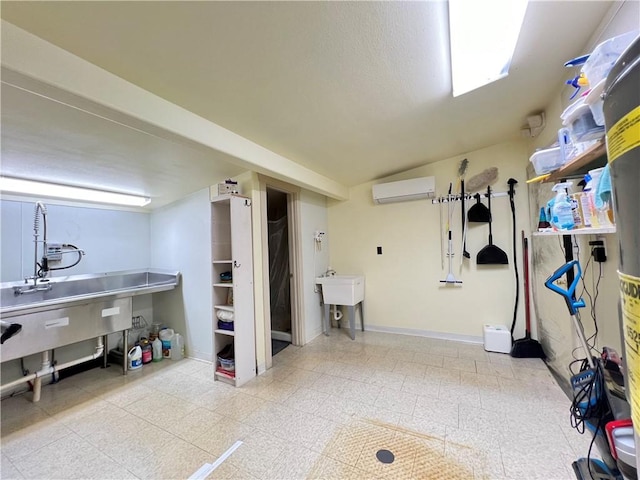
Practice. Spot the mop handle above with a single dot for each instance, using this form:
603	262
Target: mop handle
570	294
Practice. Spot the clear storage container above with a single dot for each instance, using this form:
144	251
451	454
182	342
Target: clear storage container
601	60
547	160
595	102
578	118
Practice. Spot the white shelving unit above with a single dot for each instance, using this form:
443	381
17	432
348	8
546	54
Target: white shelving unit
231	252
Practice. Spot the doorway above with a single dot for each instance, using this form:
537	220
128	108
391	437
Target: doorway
279	269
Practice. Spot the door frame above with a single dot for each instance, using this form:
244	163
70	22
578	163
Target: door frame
295	261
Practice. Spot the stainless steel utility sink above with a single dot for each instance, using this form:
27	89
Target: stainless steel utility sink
74	288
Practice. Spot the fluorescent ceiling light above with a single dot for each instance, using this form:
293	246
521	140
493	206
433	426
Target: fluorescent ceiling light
29	187
483	35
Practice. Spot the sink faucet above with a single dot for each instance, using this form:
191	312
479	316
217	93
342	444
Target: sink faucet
43	286
40	270
330	272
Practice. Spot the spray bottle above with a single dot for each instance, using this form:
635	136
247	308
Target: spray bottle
588	209
562	210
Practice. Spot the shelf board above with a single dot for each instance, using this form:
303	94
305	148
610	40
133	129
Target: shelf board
228	308
577	231
228	285
573	167
230	333
225	378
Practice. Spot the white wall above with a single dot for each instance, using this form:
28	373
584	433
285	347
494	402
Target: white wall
113	240
313	212
181	240
403	289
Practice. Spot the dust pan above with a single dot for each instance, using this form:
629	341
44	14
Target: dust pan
491	254
479	212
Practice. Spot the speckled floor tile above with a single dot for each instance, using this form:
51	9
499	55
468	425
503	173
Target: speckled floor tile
8	471
227	432
70	458
400	402
447	410
420	386
25	441
179	459
259	450
196	423
306	400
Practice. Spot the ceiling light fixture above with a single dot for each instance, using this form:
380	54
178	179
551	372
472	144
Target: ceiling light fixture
30	187
483	37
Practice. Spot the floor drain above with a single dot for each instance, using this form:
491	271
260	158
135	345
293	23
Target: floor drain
385	456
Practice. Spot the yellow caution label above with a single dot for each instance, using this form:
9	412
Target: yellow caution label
630	297
624	135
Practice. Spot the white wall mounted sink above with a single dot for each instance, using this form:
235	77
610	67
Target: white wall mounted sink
342	289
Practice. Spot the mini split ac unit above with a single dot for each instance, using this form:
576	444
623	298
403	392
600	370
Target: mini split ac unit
404	190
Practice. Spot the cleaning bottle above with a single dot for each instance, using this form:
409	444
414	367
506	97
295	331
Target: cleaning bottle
157	349
589	219
135	358
576	210
542	220
562	210
177	347
165	336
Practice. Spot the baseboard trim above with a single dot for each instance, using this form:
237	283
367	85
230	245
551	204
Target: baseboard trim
313	334
426	333
203	356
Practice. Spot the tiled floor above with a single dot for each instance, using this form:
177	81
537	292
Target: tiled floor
445	410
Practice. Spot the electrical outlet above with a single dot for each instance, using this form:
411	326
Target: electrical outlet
598	250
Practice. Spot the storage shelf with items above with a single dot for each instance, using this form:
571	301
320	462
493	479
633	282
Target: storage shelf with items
232	284
588	219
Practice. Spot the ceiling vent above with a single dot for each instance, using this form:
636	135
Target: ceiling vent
404	190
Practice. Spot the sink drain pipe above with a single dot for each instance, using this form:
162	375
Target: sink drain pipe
337	315
48	369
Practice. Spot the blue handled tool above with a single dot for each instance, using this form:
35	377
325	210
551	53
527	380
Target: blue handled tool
569	294
573	304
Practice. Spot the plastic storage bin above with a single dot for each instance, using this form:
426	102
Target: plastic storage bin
578	118
547	160
601	60
228	364
595	102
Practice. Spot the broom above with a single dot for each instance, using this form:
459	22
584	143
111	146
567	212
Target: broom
527	347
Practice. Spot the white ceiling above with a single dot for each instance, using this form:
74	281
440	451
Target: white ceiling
354	91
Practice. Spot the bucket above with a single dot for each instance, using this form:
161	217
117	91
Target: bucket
135	358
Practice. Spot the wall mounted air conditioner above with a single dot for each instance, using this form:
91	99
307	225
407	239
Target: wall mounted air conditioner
404	190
